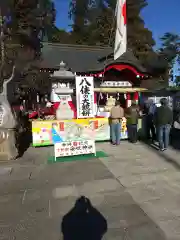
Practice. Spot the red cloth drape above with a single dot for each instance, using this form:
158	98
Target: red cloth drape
136	96
56	105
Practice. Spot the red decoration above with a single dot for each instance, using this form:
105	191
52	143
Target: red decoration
75	144
56	105
128	96
121	67
124	13
136	96
61	126
95	98
95	124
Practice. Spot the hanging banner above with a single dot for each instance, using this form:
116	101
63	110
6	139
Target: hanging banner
85	97
120	45
73	148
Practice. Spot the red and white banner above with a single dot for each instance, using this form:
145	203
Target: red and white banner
120	46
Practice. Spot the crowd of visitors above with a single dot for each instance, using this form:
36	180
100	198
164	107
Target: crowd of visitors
158	122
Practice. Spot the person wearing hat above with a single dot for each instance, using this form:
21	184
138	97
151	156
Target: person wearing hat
132	115
163	121
116	115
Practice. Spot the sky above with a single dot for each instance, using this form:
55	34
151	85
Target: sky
160	16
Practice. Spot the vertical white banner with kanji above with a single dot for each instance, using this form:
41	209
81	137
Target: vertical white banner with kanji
85	97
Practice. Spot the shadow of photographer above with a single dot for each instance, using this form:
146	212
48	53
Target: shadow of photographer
83	222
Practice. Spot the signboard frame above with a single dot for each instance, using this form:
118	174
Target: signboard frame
74	148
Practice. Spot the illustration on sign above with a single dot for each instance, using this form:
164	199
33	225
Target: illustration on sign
85	97
56	136
50	132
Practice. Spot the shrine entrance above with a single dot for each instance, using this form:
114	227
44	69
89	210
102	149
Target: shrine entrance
120	85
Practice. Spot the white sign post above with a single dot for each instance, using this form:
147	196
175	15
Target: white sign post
64	149
85	97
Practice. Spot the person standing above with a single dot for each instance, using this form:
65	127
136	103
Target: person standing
132	115
163	120
116	115
150	128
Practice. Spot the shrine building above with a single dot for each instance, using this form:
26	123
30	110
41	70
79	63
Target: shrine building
126	75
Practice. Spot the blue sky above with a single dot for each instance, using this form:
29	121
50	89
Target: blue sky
160	16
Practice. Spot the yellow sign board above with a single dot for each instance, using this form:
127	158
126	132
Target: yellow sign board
48	132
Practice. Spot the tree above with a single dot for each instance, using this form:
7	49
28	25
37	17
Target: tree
101	27
22	34
170	51
170	48
78	13
177	81
59	36
140	39
91	22
98	25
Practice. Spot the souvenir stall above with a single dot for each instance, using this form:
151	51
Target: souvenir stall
79	120
74	114
81	99
125	95
120	82
73	120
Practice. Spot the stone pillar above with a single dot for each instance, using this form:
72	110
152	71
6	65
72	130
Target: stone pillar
8	149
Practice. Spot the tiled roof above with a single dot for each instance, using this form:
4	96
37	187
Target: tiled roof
80	58
127	58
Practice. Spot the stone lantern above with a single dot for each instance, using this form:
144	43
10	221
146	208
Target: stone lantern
63	82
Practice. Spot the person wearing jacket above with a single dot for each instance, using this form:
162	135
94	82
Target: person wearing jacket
150	128
116	115
163	121
132	115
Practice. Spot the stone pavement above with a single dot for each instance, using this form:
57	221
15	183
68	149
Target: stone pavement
152	179
134	189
